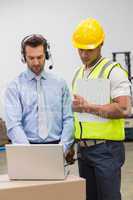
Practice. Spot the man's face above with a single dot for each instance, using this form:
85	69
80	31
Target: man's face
35	58
89	56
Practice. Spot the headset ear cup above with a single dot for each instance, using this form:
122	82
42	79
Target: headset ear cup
23	58
47	56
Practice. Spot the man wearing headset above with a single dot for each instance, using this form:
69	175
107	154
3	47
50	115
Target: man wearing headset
100	141
22	105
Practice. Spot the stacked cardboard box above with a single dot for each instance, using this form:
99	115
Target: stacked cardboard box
72	188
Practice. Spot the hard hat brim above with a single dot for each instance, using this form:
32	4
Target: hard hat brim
88	46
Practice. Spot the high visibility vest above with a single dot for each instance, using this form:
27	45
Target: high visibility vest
110	129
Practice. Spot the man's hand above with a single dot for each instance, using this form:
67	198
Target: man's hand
79	104
69	155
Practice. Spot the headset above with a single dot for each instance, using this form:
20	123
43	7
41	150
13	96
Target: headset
36	39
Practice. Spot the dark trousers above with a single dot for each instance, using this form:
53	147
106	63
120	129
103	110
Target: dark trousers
100	165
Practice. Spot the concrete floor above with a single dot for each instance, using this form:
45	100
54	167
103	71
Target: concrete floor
127	171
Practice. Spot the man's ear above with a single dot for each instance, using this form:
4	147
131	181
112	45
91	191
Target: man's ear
101	44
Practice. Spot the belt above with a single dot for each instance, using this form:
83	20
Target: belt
88	143
52	142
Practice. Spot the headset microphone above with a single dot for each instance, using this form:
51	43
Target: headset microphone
51	59
50	66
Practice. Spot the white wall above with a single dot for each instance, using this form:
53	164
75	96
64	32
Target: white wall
56	20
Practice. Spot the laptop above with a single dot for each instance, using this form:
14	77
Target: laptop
36	161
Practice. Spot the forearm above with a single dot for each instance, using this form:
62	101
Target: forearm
119	108
13	115
113	110
67	137
17	135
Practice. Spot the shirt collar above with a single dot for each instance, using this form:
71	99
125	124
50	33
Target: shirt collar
31	75
87	71
90	69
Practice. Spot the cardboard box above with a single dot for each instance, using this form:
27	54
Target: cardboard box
72	188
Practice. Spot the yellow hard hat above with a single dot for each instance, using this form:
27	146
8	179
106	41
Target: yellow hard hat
89	34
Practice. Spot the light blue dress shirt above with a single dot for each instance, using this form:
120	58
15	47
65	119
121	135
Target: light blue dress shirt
21	109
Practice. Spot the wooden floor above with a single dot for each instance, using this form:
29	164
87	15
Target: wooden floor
127	171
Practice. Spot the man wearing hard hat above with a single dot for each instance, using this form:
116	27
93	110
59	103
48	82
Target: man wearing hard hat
100	143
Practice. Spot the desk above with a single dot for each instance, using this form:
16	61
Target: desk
72	188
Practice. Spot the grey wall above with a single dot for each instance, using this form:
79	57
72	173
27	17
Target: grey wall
56	20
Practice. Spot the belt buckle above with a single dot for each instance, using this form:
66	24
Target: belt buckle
100	141
90	143
86	143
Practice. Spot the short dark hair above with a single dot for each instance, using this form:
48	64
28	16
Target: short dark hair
34	41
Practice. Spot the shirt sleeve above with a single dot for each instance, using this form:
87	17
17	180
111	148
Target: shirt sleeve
67	136
13	115
120	85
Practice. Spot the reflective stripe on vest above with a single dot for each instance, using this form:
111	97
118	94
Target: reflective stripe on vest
112	129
